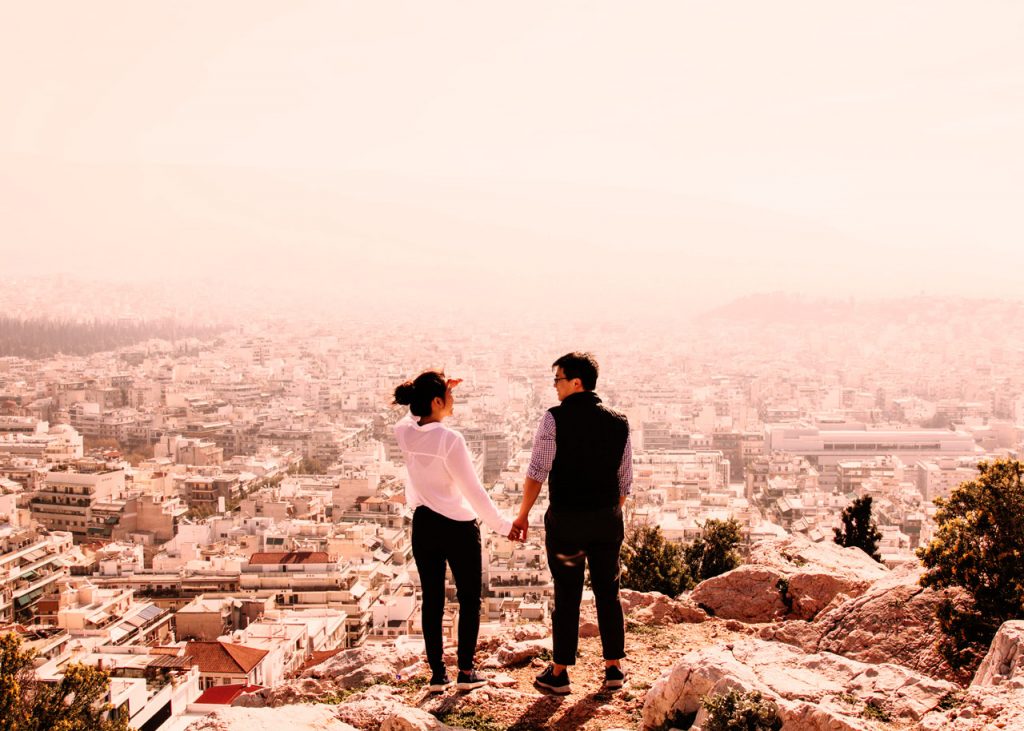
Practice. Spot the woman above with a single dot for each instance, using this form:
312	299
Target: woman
447	498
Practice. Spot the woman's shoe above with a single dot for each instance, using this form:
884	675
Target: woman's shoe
468	681
438	682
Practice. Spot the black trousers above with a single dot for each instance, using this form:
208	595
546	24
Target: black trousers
437	540
593	537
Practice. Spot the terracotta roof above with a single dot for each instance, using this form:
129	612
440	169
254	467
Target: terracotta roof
225	694
221	657
288	557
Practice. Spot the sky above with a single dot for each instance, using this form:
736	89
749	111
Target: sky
584	156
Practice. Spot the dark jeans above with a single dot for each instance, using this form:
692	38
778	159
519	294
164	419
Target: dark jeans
436	540
594	536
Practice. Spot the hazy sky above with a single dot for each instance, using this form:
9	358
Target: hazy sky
652	154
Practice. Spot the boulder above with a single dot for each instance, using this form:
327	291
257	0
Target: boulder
365	665
300	718
811	591
530	632
514	653
412	719
1005	659
665	610
995	698
302	690
893	621
813	692
797	553
792	578
365	709
748	593
631	600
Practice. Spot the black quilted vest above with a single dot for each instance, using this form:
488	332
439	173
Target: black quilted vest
589	441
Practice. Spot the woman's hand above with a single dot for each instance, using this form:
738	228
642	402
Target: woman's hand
452	383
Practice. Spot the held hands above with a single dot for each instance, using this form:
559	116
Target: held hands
520	527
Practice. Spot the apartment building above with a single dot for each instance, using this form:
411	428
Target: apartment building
81	503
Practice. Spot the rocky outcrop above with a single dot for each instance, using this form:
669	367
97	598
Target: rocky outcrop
516	653
797	552
367	708
791	578
1004	662
413	719
813	692
893	621
307	718
747	593
657	609
995	699
363	666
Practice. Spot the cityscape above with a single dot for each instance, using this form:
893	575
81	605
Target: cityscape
453	366
241	497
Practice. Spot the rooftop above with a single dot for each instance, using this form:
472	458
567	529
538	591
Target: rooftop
222	657
264	558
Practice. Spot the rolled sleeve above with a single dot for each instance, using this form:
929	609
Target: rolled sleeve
626	468
543	449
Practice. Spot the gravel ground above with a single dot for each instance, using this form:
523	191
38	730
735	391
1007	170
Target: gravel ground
522	707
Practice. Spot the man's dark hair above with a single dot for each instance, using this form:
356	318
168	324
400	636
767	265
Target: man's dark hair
579	365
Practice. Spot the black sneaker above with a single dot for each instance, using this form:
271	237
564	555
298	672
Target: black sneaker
470	680
558	684
438	682
614	677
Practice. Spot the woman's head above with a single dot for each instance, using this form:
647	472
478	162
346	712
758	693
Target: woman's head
419	393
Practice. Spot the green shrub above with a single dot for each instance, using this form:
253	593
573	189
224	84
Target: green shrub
978	545
875	710
650	563
736	711
715	551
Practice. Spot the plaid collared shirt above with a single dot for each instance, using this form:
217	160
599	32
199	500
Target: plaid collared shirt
544	455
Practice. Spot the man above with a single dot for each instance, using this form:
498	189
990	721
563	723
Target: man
583	449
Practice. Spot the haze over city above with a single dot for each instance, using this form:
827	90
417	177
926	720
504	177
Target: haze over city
673	156
282	290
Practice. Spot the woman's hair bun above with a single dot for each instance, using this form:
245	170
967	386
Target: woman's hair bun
404	393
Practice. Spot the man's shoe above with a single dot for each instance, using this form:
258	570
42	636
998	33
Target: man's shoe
470	680
613	677
558	684
438	682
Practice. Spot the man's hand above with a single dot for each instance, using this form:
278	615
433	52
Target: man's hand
520	527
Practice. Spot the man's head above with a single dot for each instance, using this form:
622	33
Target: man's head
574	372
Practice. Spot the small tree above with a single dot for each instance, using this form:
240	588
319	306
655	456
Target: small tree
858	530
714	551
74	703
978	545
650	563
736	711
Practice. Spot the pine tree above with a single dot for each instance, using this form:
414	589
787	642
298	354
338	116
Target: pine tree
859	531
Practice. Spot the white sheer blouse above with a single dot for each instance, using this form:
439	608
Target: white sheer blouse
441	474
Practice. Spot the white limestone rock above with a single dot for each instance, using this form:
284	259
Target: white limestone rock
813	692
364	665
294	718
